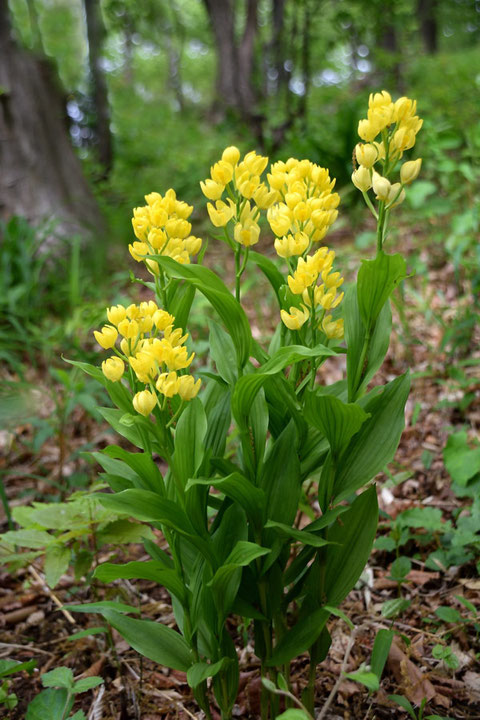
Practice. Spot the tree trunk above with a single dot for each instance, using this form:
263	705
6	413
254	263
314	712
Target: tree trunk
246	56
221	14
428	24
96	33
41	176
278	43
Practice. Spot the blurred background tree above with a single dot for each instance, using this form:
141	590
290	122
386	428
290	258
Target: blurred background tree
148	88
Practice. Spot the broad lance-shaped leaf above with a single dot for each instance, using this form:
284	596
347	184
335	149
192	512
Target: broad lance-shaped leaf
280	478
226	580
219	296
222	352
149	507
201	671
359	373
239	489
337	420
117	391
299	638
302	536
374	445
189	436
354	537
248	386
147	570
270	271
376	280
142	464
153	640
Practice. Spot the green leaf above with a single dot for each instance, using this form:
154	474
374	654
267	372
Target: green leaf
131	432
375	283
59	677
181	303
369	679
86	684
340	614
269	685
248	386
201	671
404	703
222	352
448	614
355	334
117	391
337	420
9	667
302	536
355	534
101	606
51	704
153	640
57	560
422	517
189	438
35	539
299	638
122	532
400	568
239	489
226	581
86	633
380	651
271	272
375	443
280	479
143	466
147	570
294	714
461	461
392	608
219	296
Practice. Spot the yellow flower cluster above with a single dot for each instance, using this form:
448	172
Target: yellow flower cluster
317	298
397	125
153	350
247	194
304	207
162	228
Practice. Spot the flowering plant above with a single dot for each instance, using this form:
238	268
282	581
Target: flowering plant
230	516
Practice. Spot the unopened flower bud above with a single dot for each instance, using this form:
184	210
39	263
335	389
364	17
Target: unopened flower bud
361	178
113	368
410	170
366	154
144	402
381	186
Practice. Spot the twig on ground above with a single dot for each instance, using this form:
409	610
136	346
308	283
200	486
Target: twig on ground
340	678
38	578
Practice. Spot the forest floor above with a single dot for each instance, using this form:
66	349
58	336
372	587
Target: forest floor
33	626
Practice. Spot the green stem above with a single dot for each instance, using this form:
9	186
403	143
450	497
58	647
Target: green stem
380	226
370	205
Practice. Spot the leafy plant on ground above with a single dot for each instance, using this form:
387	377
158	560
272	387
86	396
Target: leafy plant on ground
67	534
229	516
56	702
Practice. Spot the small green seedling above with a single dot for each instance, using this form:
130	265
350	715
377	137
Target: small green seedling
56	702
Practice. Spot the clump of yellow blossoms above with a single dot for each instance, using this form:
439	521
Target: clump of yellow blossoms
154	352
389	129
162	228
246	194
304	209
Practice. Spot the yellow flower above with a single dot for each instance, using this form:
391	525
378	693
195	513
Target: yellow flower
279	218
128	328
193	244
144	402
381	186
231	155
221	173
158	213
254	163
296	318
187	387
263	198
107	337
333	329
162	319
366	155
116	314
113	368
361	178
138	250
211	189
157	238
148	308
396	195
290	245
167	384
143	365
410	170
247	233
221	213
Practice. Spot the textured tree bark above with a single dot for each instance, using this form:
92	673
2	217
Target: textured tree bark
221	14
41	176
95	34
